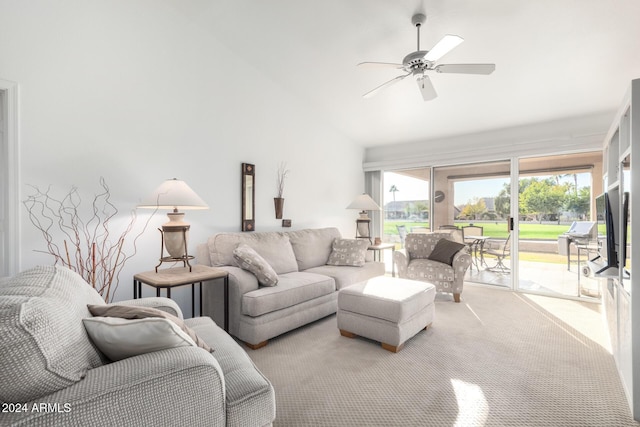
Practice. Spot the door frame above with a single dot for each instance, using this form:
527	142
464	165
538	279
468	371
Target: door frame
10	162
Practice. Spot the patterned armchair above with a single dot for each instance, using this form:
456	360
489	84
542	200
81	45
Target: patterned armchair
418	261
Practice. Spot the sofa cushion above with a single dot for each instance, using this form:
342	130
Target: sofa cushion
250	399
312	247
347	276
44	346
349	252
445	250
250	260
274	247
137	312
293	288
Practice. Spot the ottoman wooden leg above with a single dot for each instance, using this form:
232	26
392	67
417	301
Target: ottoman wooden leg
347	334
392	348
456	297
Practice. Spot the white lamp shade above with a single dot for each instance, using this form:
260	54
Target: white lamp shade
364	202
173	194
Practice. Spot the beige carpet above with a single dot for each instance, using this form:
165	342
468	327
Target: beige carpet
496	359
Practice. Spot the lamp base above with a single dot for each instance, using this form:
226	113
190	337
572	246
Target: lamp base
363	229
174	238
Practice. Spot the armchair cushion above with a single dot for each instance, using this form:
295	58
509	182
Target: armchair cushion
248	259
131	313
445	250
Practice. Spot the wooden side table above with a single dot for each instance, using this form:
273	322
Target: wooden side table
172	277
381	247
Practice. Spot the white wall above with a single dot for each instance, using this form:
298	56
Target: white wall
133	92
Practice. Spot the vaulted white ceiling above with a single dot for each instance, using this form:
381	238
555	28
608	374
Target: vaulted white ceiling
554	59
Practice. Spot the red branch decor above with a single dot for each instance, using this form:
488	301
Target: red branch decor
89	248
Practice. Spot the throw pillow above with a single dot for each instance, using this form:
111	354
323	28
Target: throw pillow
445	250
137	313
351	252
250	260
120	338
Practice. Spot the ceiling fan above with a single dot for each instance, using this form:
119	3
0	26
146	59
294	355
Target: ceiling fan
418	63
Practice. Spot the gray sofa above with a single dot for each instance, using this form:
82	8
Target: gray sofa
306	290
51	374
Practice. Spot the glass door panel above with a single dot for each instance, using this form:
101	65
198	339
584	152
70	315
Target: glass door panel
556	232
472	202
405	204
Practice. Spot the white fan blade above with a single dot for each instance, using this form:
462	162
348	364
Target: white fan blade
466	68
444	46
379	65
426	88
384	85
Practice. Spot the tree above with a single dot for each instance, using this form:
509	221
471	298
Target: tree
422	209
393	191
503	201
579	203
542	197
474	209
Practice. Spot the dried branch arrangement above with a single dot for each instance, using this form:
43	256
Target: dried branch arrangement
282	175
88	246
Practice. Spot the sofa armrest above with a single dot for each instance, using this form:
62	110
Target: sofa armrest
401	258
240	282
179	386
202	254
161	303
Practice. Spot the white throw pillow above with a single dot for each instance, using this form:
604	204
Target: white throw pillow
121	338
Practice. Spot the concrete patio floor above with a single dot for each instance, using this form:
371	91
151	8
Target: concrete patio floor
541	277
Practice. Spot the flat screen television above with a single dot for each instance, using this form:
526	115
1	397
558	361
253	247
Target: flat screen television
608	256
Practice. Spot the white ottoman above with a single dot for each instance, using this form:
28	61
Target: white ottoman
386	309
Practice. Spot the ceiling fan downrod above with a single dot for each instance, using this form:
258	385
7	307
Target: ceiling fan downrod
418	19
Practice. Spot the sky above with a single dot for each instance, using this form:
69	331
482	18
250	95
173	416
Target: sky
414	189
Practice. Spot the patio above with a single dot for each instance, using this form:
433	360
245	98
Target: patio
542	277
544	273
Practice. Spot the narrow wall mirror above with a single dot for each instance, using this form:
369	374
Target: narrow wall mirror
248	197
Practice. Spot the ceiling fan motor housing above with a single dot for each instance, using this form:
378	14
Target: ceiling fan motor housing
415	61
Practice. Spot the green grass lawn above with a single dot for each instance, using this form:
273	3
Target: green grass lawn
528	231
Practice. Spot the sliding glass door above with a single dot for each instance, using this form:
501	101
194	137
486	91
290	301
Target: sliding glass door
471	202
557	231
405	203
527	222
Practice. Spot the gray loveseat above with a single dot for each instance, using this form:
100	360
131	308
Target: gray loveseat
51	374
306	290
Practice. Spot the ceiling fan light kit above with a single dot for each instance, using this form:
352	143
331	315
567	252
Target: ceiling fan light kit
420	62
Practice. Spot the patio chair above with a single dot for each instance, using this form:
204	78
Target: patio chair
500	249
472	230
402	232
469	234
454	231
448	227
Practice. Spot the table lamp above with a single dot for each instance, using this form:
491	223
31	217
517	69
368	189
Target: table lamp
174	194
363	203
